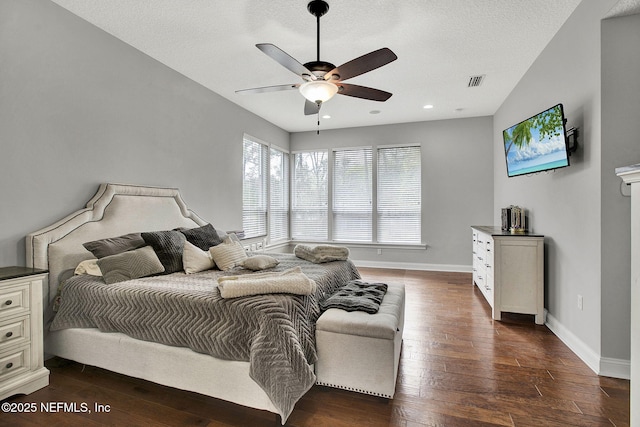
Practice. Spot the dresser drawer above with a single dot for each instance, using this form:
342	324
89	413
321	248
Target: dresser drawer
14	300
14	331
14	362
489	254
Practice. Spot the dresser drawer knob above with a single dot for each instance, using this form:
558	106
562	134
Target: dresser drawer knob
9	365
8	302
8	334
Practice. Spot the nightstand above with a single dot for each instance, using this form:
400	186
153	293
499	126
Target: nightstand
22	368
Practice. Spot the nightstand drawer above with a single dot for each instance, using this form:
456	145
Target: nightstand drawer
14	362
14	332
14	300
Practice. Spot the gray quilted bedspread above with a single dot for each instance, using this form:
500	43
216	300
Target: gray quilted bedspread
275	333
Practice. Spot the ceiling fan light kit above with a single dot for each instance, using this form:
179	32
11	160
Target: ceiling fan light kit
318	91
323	80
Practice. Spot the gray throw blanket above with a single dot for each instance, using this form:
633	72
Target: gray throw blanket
275	333
357	296
321	253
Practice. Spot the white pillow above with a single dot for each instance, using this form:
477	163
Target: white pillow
195	259
259	262
228	254
89	266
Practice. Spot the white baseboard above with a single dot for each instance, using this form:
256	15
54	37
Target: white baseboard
608	367
414	266
615	368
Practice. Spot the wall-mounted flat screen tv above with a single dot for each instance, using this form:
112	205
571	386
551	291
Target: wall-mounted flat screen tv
537	144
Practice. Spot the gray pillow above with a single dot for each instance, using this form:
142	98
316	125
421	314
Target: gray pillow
168	246
114	245
203	237
130	265
259	262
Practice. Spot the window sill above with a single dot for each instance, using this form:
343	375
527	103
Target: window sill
365	245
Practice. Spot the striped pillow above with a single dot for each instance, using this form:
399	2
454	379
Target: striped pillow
130	265
168	246
228	254
203	237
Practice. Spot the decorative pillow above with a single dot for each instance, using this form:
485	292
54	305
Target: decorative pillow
114	245
203	237
228	254
357	295
195	259
89	266
259	262
130	265
168	246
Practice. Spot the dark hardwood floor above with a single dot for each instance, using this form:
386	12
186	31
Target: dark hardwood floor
458	368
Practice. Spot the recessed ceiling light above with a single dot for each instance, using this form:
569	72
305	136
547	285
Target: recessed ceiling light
428	107
326	116
374	112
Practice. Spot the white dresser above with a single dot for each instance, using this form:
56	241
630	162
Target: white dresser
22	368
509	271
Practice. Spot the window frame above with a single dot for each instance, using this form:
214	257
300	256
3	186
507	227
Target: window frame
266	149
294	189
377	192
371	187
286	163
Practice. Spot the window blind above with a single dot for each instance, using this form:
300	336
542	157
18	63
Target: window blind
254	188
279	200
399	195
352	195
310	196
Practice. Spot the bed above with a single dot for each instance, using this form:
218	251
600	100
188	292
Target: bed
107	340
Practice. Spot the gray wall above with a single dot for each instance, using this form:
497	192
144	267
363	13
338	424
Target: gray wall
457	177
586	246
79	107
620	147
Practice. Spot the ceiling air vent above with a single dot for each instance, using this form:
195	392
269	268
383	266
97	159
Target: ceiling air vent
475	81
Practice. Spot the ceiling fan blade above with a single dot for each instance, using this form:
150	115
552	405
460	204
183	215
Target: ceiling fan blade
363	92
362	64
284	59
269	88
311	108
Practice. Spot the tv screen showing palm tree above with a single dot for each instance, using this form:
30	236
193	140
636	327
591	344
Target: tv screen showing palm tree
537	144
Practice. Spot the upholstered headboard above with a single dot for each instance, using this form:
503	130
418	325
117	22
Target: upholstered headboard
114	210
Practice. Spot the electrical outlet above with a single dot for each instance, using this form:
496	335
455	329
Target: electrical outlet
580	302
379	251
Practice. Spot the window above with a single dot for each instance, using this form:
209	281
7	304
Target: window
254	188
352	195
279	195
398	194
309	196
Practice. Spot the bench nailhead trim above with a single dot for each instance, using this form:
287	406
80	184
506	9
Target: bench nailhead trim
355	389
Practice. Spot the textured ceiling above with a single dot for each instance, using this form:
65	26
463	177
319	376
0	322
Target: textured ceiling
624	8
439	43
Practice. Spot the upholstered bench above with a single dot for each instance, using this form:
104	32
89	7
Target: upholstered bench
359	351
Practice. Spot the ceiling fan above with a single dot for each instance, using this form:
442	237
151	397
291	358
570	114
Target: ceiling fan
322	80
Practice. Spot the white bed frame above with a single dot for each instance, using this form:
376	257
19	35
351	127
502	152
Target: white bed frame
116	210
